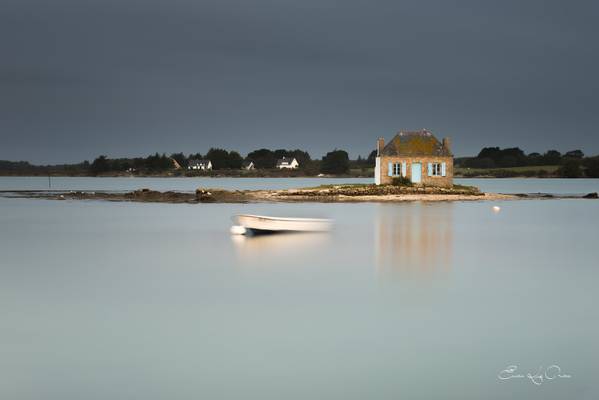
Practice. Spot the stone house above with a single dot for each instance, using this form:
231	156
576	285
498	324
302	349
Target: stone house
416	155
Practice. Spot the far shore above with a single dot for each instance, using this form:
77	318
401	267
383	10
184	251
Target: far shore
481	175
505	173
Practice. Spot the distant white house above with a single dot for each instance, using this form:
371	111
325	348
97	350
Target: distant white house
249	165
287	162
202	165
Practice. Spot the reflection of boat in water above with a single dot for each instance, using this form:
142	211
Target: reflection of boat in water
264	224
296	249
263	244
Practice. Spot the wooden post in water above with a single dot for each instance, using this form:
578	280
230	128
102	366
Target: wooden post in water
49	182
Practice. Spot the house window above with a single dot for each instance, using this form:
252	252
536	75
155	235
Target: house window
436	169
397	169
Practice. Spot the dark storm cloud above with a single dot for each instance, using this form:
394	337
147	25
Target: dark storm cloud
80	78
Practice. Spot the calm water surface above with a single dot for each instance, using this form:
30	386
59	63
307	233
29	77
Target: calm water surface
104	300
163	184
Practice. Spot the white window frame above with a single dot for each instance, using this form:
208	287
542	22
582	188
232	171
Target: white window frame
397	169
436	169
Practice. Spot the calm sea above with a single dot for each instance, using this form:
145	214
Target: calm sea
103	300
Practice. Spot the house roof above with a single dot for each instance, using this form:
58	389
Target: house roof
415	143
285	160
247	163
198	162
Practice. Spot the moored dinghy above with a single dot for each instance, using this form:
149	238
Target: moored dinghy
260	223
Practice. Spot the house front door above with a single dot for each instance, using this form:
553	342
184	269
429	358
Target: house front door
416	172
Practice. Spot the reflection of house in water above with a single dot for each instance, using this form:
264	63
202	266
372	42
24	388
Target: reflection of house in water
414	239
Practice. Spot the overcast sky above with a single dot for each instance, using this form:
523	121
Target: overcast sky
79	78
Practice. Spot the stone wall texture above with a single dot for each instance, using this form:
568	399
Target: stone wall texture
439	181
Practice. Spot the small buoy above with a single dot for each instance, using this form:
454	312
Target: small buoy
238	230
496	209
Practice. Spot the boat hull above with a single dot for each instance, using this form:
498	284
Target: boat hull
276	224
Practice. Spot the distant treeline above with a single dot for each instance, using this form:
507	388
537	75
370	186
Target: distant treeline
490	161
572	164
24	168
335	162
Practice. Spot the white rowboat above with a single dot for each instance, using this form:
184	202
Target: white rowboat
279	224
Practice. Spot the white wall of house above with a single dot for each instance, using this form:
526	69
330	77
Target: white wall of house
377	171
292	165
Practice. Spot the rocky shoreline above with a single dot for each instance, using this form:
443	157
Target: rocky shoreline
328	194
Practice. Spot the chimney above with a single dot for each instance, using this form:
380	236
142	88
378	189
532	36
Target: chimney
380	143
447	144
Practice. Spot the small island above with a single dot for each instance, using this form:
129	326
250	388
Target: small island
341	193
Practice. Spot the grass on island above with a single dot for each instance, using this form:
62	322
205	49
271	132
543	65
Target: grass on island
336	185
465	187
456	187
